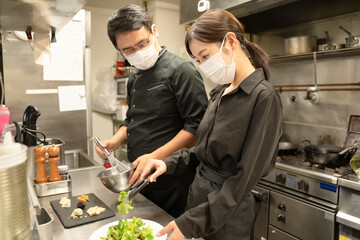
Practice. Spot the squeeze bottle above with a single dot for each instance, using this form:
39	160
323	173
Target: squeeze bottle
4	118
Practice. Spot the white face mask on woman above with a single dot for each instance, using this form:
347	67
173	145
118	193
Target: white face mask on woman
145	58
216	69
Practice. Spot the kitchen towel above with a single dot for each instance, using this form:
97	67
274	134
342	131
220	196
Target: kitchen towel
42	50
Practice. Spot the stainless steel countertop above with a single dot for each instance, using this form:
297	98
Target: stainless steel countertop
85	181
350	181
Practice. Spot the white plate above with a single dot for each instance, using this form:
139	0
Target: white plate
102	231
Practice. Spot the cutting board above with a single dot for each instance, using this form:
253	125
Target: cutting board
64	213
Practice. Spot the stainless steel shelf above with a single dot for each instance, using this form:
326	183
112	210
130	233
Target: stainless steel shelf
323	54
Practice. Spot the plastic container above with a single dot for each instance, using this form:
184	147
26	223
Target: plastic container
4	118
355	165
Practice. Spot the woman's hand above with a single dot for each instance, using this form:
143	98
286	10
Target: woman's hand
139	165
176	233
108	144
152	164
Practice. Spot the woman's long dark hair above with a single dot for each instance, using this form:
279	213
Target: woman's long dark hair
213	25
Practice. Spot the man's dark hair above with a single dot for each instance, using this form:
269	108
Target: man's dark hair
129	18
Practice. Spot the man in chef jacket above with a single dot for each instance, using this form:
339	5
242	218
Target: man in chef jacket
166	99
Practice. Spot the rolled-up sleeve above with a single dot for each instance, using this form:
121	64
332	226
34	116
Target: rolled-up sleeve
190	95
257	156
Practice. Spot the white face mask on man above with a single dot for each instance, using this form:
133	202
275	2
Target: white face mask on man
216	69
145	58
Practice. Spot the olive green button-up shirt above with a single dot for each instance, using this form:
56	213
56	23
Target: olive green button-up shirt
163	100
237	138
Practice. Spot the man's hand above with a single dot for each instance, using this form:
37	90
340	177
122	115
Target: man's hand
108	144
176	233
139	164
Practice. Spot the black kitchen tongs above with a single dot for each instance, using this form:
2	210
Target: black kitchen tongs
135	188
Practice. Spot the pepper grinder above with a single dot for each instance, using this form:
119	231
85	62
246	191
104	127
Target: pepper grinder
41	176
53	152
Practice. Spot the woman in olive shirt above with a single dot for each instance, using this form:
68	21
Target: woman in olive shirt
237	140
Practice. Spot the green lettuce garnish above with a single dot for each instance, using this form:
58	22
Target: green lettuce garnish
125	206
130	230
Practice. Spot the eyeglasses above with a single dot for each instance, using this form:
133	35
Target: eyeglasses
139	46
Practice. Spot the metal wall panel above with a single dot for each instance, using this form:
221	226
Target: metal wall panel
326	122
20	74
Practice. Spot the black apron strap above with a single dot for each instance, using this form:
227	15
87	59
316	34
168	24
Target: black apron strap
217	177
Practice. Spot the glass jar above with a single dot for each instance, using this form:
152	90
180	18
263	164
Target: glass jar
63	170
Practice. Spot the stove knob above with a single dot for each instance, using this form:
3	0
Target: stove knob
282	207
303	185
281	218
280	178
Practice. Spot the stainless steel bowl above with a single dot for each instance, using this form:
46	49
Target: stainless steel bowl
113	180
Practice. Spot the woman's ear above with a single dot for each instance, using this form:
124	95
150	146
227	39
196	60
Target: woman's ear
231	39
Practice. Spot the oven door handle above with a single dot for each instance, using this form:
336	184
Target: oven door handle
262	195
348	220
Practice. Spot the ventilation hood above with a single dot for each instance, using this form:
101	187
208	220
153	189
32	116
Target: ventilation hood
17	15
240	8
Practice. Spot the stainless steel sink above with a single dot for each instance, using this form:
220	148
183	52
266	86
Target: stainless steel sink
79	159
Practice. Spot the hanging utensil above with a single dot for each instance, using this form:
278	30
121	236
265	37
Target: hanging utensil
351	41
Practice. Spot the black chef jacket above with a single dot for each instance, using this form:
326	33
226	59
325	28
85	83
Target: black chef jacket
163	100
238	139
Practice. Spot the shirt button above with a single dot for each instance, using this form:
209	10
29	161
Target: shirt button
132	120
134	90
133	105
128	134
128	150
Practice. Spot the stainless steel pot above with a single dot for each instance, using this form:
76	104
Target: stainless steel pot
333	46
328	46
326	155
300	44
287	148
351	41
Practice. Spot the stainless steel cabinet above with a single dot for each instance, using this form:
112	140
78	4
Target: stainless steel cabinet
300	218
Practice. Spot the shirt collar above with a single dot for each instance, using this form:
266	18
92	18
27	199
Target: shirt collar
247	85
162	51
